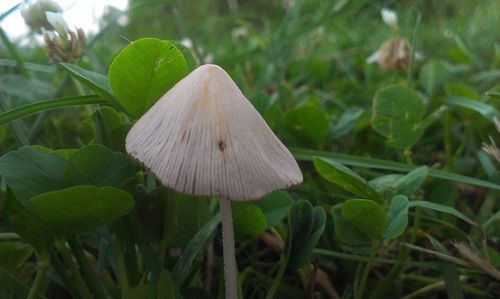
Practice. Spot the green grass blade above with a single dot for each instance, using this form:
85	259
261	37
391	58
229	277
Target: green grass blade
183	266
302	154
11	10
48	105
13	51
9	281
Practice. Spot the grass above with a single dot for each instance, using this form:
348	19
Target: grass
302	64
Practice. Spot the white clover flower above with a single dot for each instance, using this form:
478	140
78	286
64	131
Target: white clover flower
390	18
33	13
57	21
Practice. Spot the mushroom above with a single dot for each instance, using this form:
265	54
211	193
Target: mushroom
203	137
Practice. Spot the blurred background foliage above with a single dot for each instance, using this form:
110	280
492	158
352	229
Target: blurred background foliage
303	65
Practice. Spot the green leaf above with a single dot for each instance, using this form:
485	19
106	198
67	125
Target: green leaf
145	70
367	216
346	122
142	291
309	123
452	281
492	225
97	165
70	211
23	219
493	94
301	222
29	172
440	208
488	111
301	253
397	115
199	242
166	287
12	285
191	213
385	184
397	217
302	154
275	207
411	182
191	61
249	220
29	89
460	90
29	109
14	254
342	176
96	82
432	75
345	231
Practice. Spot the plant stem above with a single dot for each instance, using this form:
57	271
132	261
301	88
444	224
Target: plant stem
63	274
70	263
9	236
120	260
413	49
230	268
42	266
366	272
404	253
90	276
279	276
169	220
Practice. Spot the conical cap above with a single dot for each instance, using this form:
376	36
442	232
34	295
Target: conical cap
203	137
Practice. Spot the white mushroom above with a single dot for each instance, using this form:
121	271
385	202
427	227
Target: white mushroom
203	137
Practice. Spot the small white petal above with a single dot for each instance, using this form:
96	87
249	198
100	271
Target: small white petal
375	57
389	17
57	21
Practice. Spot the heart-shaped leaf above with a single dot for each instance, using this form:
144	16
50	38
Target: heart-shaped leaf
367	216
275	207
29	172
98	165
249	220
301	221
309	123
70	211
397	115
25	221
145	70
411	182
345	231
397	217
301	252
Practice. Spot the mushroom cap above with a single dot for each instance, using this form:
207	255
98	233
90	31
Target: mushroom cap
203	137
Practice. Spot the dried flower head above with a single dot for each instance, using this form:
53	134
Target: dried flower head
34	14
492	149
393	54
65	46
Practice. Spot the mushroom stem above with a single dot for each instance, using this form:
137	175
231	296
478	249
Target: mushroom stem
230	268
